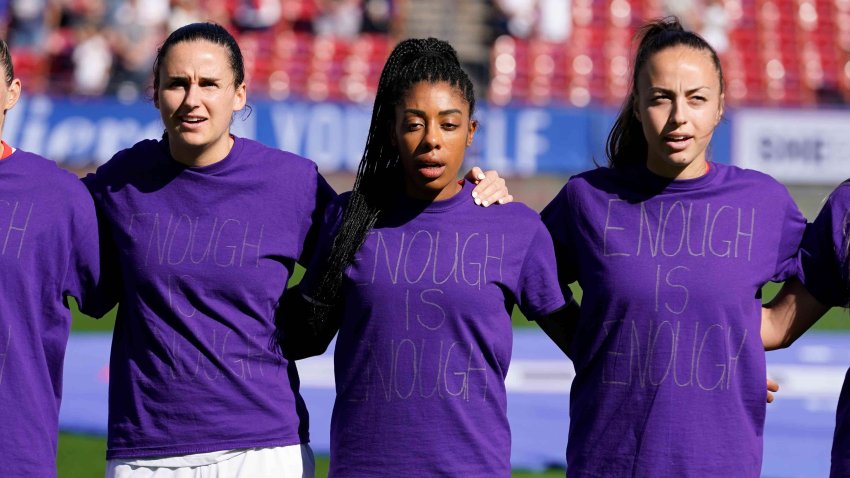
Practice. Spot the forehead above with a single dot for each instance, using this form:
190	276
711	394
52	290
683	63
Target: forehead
681	64
195	55
439	94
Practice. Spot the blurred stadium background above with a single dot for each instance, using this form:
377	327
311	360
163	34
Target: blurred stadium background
550	75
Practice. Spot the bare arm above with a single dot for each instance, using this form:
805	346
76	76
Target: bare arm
793	311
561	325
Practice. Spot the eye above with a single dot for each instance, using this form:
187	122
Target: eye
657	98
413	125
699	99
450	126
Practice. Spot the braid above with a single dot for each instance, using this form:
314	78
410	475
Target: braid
379	175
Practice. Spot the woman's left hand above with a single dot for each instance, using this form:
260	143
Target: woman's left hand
489	189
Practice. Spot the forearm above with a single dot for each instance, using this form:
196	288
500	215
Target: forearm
792	312
561	325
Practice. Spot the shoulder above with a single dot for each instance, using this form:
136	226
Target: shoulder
841	195
50	174
133	159
277	160
734	174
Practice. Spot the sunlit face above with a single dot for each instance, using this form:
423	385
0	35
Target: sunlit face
9	95
432	131
679	103
196	99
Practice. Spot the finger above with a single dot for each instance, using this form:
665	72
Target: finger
491	190
475	175
772	385
506	199
769	397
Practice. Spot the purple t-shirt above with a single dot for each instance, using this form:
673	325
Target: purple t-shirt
823	260
670	369
425	340
48	250
205	254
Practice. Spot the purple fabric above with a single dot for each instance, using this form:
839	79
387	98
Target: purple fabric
823	260
205	254
426	337
823	254
670	369
48	250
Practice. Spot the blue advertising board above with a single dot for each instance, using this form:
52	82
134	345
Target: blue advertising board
512	140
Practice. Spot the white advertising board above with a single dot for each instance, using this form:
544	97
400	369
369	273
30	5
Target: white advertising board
793	146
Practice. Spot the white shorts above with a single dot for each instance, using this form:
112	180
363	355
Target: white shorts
293	461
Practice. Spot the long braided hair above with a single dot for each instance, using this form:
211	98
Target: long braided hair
626	145
379	174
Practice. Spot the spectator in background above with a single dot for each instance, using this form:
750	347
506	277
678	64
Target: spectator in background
256	14
549	20
184	12
136	28
339	18
31	21
715	25
92	60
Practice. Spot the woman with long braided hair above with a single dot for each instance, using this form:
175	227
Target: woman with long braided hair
421	285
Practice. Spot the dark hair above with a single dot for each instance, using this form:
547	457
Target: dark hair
411	61
626	145
6	62
211	32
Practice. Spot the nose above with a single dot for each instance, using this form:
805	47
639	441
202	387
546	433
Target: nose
432	136
679	114
192	95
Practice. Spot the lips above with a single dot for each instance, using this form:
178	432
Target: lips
431	169
678	141
190	121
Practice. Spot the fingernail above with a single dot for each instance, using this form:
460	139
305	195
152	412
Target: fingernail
485	203
478	201
481	176
501	201
474	194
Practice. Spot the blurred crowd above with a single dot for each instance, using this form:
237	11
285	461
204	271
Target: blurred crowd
96	47
790	52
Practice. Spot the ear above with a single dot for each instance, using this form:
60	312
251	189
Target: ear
636	107
720	108
473	127
241	97
13	94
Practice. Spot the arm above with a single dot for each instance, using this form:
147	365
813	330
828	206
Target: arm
489	189
298	335
793	311
560	326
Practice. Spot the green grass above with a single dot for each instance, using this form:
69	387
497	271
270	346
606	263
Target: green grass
83	456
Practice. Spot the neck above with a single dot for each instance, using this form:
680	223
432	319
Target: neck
695	169
199	157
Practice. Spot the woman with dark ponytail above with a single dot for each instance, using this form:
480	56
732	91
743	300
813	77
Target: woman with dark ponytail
824	282
420	284
671	251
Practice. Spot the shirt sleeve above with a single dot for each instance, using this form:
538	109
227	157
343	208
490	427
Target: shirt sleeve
324	195
538	292
104	295
325	233
824	260
791	234
559	219
82	272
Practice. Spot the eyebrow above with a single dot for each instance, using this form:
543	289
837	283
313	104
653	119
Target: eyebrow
416	112
688	92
